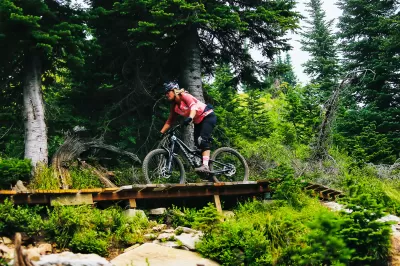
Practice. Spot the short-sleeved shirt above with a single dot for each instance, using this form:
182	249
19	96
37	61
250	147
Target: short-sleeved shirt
187	104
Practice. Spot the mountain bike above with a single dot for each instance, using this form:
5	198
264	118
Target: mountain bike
163	165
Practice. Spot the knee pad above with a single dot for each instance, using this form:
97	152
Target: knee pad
203	143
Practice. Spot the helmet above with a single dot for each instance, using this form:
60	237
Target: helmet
170	86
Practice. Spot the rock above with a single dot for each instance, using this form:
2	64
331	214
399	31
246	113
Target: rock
228	214
159	227
45	249
132	247
5	240
69	258
33	254
158	211
170	244
168	231
6	252
166	236
149	236
335	206
186	230
389	218
189	240
156	255
134	213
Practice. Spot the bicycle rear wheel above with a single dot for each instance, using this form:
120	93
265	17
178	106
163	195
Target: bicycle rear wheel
155	168
231	165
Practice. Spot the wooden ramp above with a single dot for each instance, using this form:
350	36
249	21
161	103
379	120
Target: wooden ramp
135	192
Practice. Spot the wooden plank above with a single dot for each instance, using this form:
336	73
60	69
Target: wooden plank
77	199
217	202
132	203
91	190
8	192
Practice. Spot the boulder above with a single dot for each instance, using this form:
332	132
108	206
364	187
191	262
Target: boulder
189	240
5	240
132	247
69	258
158	211
166	236
186	230
159	227
156	255
134	213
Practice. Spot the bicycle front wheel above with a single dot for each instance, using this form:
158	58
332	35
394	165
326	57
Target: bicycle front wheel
155	168
229	165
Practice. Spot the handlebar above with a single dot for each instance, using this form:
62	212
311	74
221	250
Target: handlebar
173	129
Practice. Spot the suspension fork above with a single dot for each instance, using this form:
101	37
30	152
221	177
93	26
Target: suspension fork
171	154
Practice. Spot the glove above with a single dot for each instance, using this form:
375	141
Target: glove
187	121
161	136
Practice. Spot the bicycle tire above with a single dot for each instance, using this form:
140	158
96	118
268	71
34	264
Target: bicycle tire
150	178
220	155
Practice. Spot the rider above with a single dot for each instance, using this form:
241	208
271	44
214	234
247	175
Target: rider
202	116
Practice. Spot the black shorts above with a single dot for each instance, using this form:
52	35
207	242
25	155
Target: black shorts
203	130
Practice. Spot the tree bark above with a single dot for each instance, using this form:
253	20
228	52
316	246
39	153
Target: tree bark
34	114
191	74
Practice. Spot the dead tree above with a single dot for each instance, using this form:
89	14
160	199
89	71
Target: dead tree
20	257
322	142
70	151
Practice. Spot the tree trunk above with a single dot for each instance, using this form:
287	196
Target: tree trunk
35	125
191	74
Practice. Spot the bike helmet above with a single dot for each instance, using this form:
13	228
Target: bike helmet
170	86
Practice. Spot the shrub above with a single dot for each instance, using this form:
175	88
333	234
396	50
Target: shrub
20	219
362	232
325	244
45	178
84	178
90	241
12	170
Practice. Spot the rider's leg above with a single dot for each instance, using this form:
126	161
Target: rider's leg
203	140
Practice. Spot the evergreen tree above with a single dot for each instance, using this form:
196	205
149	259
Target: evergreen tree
320	43
187	39
370	41
38	38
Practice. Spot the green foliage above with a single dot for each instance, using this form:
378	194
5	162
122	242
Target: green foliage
369	33
204	219
287	188
89	241
207	218
368	237
320	43
45	178
77	226
84	178
325	244
12	170
19	219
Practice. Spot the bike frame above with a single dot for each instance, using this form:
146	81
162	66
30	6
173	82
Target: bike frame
189	154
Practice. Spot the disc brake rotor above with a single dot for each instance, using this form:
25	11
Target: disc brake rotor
230	170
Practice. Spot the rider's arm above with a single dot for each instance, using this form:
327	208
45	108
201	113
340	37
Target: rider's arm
190	101
171	119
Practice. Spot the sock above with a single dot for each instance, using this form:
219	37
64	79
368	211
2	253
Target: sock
205	160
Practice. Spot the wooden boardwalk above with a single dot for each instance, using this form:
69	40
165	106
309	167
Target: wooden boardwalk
153	191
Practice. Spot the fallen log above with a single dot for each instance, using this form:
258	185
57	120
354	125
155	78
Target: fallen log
71	150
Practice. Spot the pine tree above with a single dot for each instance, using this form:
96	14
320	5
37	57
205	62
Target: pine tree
39	38
320	43
370	41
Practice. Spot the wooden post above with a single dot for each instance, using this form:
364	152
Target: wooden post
217	203
132	203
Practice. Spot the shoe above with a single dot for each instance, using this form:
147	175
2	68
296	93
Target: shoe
203	169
